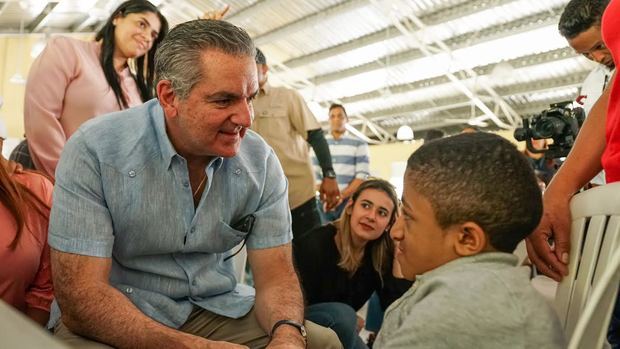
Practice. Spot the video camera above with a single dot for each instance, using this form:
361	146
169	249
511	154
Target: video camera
561	122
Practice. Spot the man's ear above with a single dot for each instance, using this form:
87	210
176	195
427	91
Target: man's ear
167	98
470	239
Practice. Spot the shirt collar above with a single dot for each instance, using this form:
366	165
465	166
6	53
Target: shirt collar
344	135
498	258
159	123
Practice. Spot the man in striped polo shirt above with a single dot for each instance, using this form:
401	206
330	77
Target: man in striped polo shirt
349	158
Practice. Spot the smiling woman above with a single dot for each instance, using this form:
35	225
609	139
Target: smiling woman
73	81
340	265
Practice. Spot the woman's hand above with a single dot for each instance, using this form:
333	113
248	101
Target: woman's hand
215	14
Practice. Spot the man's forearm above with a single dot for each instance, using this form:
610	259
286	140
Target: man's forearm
104	314
280	301
278	292
94	309
584	160
317	141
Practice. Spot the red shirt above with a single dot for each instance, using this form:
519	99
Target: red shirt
611	36
25	273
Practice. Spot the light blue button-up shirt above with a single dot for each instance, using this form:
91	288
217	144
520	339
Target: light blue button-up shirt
122	192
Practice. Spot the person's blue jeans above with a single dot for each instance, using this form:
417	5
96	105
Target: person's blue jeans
339	317
374	315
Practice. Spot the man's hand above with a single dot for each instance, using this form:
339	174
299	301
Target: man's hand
549	244
216	15
330	195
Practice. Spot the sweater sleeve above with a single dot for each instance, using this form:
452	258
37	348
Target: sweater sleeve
49	76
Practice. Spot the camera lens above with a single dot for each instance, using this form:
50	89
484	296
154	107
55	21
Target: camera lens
521	134
549	127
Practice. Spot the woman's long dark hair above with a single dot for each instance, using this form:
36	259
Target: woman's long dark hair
144	65
20	201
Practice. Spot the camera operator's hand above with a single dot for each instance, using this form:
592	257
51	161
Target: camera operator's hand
551	259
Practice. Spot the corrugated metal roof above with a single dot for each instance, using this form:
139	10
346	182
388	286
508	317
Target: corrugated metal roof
374	56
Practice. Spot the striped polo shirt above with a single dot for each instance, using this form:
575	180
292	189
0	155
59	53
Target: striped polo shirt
349	158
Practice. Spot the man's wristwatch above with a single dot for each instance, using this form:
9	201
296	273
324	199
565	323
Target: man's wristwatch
297	325
329	174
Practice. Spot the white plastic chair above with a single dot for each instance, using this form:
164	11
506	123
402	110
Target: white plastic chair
595	238
18	331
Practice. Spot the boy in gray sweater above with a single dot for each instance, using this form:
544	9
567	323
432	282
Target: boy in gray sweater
468	200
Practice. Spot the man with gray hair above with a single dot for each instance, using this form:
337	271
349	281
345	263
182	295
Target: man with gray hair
150	203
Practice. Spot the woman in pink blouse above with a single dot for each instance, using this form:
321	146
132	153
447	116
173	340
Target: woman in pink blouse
73	81
25	275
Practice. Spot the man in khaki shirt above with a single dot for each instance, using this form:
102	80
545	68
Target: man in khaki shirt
282	118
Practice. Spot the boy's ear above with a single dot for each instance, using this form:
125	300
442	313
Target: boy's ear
470	239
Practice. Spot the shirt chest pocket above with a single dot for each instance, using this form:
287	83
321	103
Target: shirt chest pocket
223	238
273	122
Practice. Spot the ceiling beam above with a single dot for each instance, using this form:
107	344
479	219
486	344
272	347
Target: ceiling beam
309	21
528	23
39	21
519	62
386	117
443	15
461	119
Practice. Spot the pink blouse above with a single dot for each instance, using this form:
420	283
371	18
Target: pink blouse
25	273
66	87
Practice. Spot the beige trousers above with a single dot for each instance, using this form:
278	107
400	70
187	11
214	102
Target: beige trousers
203	323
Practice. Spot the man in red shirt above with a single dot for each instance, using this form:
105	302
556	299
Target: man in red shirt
597	147
598	138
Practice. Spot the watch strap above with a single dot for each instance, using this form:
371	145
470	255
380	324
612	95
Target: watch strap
297	325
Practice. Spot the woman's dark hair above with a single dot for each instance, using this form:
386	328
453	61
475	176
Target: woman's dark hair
144	65
580	15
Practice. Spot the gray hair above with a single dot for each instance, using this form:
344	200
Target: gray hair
178	57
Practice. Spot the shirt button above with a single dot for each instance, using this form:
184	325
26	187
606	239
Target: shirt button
186	184
132	173
191	231
238	171
129	290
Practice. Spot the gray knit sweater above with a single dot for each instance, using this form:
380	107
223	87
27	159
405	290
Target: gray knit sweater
483	301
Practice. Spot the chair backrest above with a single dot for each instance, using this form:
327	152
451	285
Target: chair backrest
595	236
18	331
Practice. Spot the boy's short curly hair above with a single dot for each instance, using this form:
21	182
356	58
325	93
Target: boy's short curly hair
481	178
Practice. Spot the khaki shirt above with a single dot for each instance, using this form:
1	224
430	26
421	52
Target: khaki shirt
283	119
